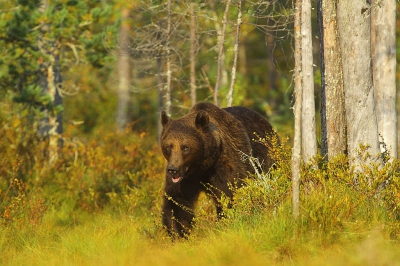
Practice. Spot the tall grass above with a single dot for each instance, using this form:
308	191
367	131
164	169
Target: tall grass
99	204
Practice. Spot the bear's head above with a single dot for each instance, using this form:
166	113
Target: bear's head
190	144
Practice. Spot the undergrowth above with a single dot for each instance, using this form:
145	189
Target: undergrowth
99	203
122	169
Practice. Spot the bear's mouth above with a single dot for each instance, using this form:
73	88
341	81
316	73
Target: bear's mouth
176	179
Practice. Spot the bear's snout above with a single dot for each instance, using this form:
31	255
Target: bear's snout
174	173
172	170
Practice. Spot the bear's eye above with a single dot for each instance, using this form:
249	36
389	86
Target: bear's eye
185	148
168	148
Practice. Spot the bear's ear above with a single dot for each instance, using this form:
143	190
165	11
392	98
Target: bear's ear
202	119
164	118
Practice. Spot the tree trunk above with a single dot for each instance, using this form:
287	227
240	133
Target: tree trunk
236	51
271	68
50	127
160	94
192	55
333	120
308	134
168	96
221	41
296	155
124	71
384	70
354	25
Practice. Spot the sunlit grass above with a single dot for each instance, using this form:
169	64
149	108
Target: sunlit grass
100	204
104	239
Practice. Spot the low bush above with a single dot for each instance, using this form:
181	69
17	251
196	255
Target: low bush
123	168
99	203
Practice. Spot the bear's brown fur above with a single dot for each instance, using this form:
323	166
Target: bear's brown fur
204	153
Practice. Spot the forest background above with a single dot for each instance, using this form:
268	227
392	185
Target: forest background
97	199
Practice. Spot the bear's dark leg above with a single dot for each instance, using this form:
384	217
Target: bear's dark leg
220	210
167	217
216	188
177	217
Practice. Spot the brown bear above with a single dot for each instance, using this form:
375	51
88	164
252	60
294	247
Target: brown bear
204	151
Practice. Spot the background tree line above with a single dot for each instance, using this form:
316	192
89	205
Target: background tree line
117	62
183	55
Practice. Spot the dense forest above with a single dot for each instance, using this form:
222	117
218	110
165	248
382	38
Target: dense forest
82	86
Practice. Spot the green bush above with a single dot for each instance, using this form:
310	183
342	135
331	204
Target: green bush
124	168
332	195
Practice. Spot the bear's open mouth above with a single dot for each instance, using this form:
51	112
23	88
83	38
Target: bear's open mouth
176	179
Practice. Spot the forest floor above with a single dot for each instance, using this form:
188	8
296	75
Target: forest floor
100	204
258	239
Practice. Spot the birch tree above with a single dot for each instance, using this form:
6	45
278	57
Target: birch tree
309	138
235	56
384	72
221	42
50	126
168	96
333	120
124	70
354	26
192	54
296	154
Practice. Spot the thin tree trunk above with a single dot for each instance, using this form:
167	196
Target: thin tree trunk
124	71
160	94
242	58
58	100
333	118
384	71
55	119
296	155
271	68
354	24
192	54
168	96
221	53
235	57
160	80
308	134
52	119
321	36
50	127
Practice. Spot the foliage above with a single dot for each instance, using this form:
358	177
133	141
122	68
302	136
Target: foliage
332	195
88	175
100	204
33	37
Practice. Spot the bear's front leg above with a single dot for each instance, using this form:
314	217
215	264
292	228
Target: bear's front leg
177	216
222	183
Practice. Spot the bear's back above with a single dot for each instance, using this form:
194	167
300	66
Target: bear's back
256	126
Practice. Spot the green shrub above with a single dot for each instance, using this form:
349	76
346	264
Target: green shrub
332	195
123	167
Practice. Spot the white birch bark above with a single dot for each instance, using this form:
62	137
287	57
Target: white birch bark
235	51
192	55
384	70
168	97
296	155
354	23
220	62
308	134
334	129
124	72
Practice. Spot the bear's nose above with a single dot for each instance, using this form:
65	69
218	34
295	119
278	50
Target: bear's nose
172	170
